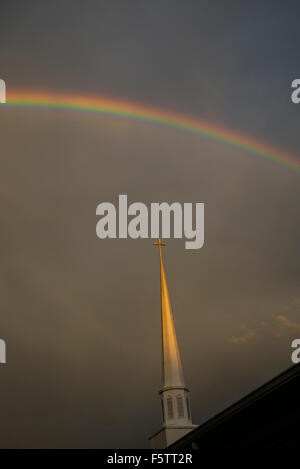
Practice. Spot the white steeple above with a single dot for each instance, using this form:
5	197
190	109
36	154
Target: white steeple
175	401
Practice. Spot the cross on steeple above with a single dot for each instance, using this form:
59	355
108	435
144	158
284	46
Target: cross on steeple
159	244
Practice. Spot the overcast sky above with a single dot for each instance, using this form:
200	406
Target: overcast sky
80	315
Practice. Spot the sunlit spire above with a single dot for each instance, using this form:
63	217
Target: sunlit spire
175	399
172	369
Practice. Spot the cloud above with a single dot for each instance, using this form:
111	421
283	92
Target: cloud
284	321
244	337
276	326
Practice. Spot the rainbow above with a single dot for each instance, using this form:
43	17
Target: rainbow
133	111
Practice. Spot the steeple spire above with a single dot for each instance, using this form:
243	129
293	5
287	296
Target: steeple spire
172	369
175	401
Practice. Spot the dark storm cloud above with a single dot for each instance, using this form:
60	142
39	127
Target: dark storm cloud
80	315
231	62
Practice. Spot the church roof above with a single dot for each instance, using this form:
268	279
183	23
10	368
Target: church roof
267	417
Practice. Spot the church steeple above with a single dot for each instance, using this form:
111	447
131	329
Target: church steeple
175	401
172	369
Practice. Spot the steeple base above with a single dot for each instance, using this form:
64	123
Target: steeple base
168	435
